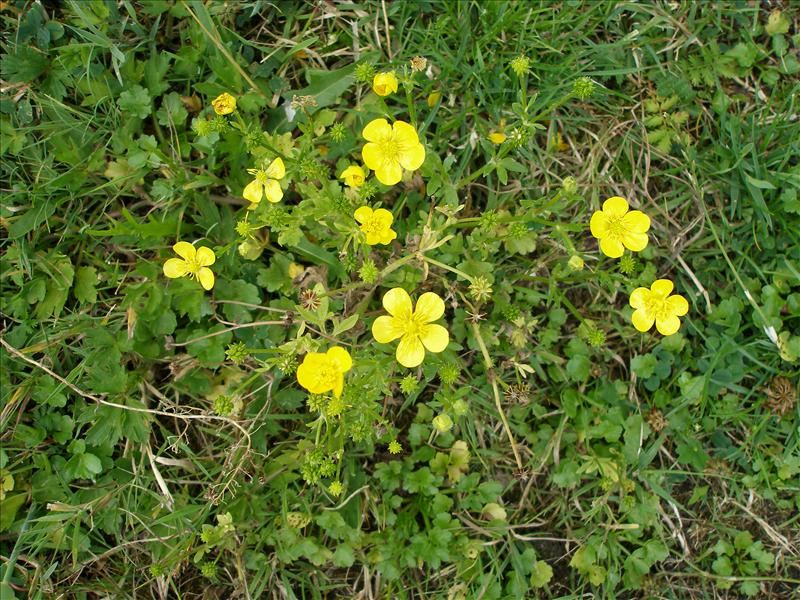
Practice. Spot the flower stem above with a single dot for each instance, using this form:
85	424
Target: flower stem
493	380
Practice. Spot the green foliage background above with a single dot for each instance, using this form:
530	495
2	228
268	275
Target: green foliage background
138	460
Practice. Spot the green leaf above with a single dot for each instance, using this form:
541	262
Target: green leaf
85	281
135	102
346	325
172	111
8	509
60	270
541	574
24	65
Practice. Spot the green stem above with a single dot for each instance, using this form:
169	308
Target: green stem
432	261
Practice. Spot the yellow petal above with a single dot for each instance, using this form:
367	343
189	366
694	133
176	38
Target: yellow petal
639	297
308	372
412	158
376	131
612	247
383	216
435	338
387	236
636	221
497	137
642	321
662	287
635	242
340	358
615	206
668	325
404	134
252	191
410	351
389	173
185	250
599	224
363	214
175	267
678	305
397	303
276	169
430	307
385	329
372	155
338	386
206	277
205	256
373	238
273	190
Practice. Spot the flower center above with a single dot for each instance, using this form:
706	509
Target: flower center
192	267
657	306
413	326
261	176
390	149
372	225
615	228
327	376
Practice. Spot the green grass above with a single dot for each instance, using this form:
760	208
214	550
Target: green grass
651	467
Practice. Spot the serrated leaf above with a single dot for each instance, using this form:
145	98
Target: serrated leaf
85	281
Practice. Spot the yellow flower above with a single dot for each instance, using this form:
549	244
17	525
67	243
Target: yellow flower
656	305
353	176
415	328
265	183
193	262
497	137
391	149
433	98
224	104
376	224
617	229
384	83
322	373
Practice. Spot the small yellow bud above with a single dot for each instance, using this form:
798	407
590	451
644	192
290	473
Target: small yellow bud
224	104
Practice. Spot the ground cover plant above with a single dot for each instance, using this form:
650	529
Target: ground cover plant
399	300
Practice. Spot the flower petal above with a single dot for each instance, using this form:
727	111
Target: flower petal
363	214
338	385
410	351
662	287
372	155
678	305
642	320
185	250
373	238
273	191
599	224
639	297
376	131
668	325
175	267
612	247
385	329
206	277
430	307
636	242
404	134
387	236
411	158
383	216
615	206
397	303
340	358
205	256
435	338
389	173
636	221
308	372
276	169
252	191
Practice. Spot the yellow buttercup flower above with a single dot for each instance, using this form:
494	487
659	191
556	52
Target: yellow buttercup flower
384	83
415	327
224	104
391	149
656	305
353	176
497	137
265	183
433	98
376	224
324	372
617	229
193	262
